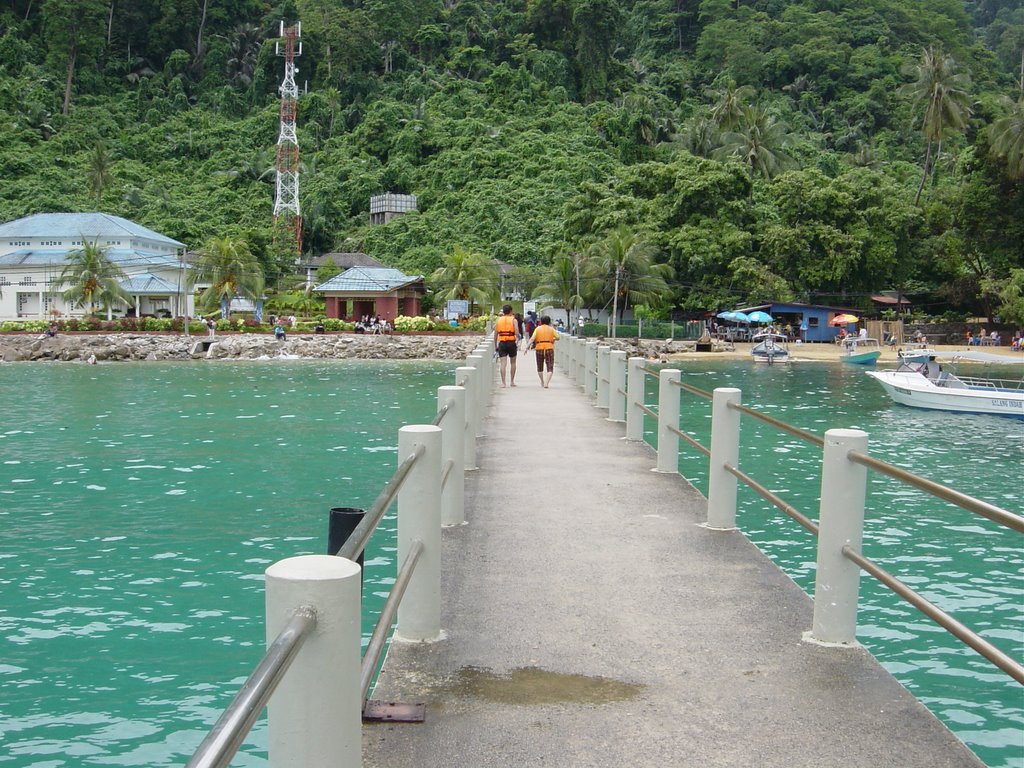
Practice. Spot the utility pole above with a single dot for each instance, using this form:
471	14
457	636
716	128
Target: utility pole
287	214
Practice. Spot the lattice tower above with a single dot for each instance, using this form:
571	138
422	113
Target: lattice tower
287	214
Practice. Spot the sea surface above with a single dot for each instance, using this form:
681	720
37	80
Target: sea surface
140	504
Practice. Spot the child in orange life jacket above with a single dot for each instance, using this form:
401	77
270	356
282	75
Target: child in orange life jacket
543	340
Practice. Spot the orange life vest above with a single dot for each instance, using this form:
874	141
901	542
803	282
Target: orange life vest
544	337
506	328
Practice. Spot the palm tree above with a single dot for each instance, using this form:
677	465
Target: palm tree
230	270
627	261
945	100
466	275
93	279
1007	138
244	45
730	102
562	284
760	142
98	174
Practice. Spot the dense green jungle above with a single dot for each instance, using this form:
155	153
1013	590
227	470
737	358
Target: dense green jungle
735	150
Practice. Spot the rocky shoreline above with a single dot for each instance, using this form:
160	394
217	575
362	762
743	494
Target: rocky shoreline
118	347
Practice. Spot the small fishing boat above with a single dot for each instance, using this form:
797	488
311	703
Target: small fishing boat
927	385
860	350
770	347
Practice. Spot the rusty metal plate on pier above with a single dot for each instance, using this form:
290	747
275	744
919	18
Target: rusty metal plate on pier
393	712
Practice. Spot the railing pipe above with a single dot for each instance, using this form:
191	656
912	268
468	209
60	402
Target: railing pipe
603	358
464	377
635	392
668	416
453	435
617	386
725	451
378	639
419	519
230	730
840	524
315	717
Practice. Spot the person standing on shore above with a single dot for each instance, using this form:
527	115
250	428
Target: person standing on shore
506	343
543	341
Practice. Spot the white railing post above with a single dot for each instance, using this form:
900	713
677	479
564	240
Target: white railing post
419	519
480	381
668	416
617	386
453	435
315	715
581	366
464	377
635	393
590	366
570	363
841	523
603	358
725	449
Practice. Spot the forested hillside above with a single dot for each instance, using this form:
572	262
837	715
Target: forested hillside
756	149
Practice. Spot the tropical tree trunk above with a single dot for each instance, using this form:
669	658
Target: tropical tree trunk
924	175
72	58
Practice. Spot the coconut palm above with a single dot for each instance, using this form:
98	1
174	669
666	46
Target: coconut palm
229	269
1007	139
99	173
562	284
626	262
93	278
466	275
759	141
943	97
730	102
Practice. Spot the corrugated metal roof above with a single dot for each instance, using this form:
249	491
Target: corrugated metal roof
125	258
148	284
368	279
88	225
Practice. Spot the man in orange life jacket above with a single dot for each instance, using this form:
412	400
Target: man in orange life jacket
543	340
506	342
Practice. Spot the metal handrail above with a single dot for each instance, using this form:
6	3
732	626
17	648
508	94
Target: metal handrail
230	730
693	390
776	500
446	470
441	414
378	640
803	434
690	440
360	536
940	617
648	411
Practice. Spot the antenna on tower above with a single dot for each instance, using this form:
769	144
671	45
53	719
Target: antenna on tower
287	214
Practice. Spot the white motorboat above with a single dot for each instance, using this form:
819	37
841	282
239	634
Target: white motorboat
925	384
770	348
860	350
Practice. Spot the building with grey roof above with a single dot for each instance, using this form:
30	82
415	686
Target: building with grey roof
34	251
372	291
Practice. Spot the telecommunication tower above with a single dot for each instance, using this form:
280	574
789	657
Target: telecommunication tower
287	214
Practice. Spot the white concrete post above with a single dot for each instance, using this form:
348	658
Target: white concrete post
315	715
617	386
419	519
668	416
603	358
570	359
841	523
480	380
725	449
453	451
581	366
635	398
464	377
590	367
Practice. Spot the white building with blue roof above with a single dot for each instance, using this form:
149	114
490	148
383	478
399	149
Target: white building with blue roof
34	250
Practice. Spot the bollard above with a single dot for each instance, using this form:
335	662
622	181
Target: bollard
464	378
635	391
340	524
617	386
453	435
480	383
590	369
841	523
419	519
725	449
315	715
668	416
581	365
603	358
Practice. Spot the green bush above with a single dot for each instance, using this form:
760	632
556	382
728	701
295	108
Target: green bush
404	324
479	323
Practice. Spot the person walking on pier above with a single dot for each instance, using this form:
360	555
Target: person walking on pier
506	343
543	341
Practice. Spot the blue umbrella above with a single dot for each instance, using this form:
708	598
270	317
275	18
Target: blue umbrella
739	317
726	316
760	317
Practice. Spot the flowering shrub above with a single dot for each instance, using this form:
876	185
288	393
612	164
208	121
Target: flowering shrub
479	323
403	323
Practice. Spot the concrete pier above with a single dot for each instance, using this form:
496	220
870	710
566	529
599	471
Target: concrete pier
588	619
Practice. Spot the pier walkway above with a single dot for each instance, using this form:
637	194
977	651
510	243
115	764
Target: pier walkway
591	621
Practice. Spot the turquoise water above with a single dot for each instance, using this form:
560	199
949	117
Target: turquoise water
139	507
968	566
141	503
